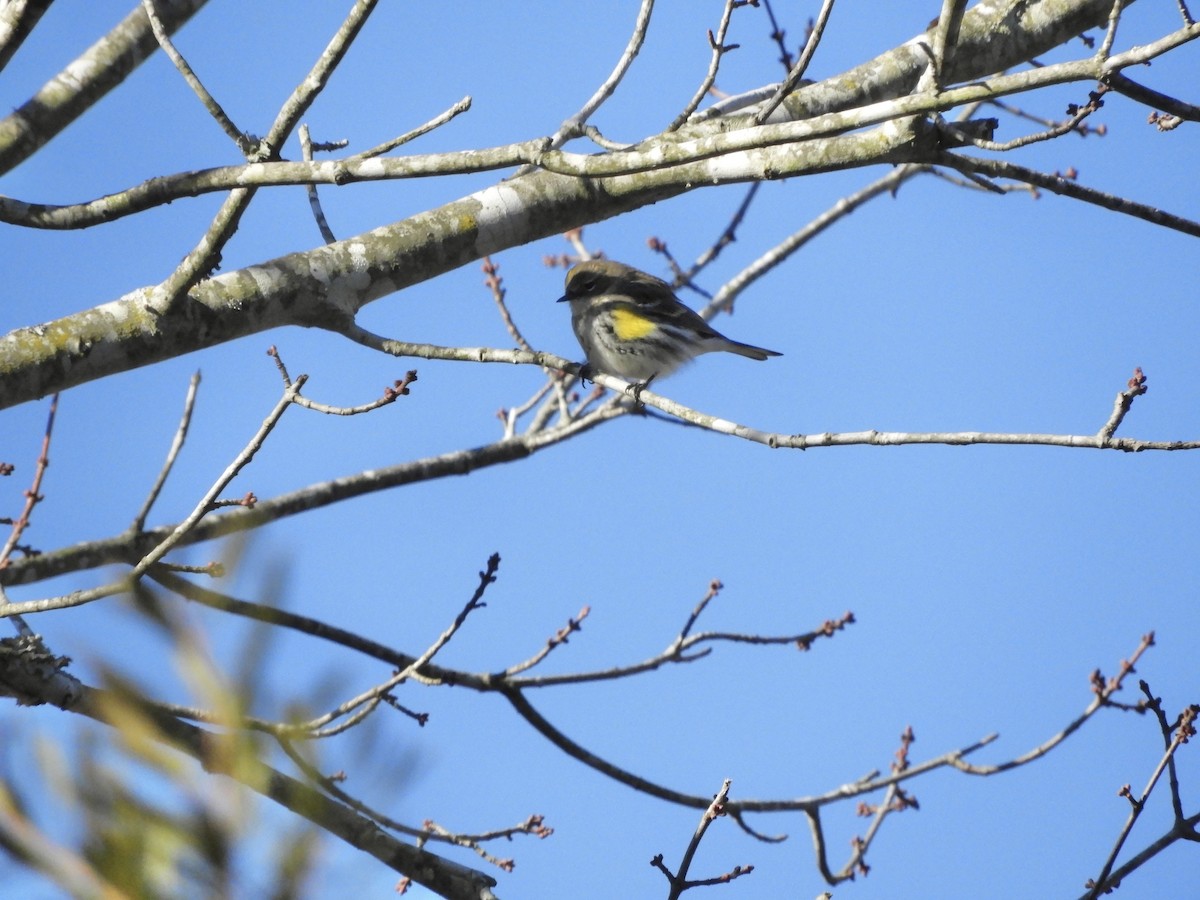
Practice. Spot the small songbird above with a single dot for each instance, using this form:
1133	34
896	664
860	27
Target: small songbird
631	324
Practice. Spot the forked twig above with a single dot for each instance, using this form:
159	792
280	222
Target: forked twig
719	49
679	881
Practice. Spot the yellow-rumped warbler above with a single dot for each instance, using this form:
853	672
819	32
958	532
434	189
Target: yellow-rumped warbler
632	325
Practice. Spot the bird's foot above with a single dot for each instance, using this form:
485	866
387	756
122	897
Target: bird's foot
635	391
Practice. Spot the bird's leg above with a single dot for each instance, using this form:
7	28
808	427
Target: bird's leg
637	388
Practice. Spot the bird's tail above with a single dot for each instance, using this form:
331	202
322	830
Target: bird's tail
748	350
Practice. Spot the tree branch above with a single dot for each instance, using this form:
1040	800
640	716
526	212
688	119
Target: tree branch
85	81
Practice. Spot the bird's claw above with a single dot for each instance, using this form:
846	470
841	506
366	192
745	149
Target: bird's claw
635	391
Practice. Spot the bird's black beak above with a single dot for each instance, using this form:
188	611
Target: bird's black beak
563	298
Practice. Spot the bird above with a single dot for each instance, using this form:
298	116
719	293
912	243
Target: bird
631	324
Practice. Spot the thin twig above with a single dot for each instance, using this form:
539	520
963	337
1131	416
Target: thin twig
204	506
997	168
249	147
895	799
314	202
487	577
331	785
679	881
1110	33
393	392
723	301
1058	129
1121	406
779	36
436	122
719	49
510	416
185	420
495	284
33	495
1184	830
1103	689
727	236
554	379
175	535
945	30
797	72
557	639
207	252
573	126
1104	882
1122	84
714	588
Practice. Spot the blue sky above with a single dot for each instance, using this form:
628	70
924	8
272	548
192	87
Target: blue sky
987	582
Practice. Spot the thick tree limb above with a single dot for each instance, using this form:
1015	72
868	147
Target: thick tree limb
326	286
74	90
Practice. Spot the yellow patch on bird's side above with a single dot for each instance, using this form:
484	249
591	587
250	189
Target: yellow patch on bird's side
630	325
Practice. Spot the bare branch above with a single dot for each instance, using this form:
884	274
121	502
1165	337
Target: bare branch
679	881
945	36
719	49
448	879
559	638
1103	688
176	535
1110	32
1123	403
890	183
1122	84
436	122
779	36
18	18
1078	114
1106	881
1185	831
200	262
314	202
693	147
33	495
185	420
998	168
121	549
797	72
248	146
573	125
73	91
